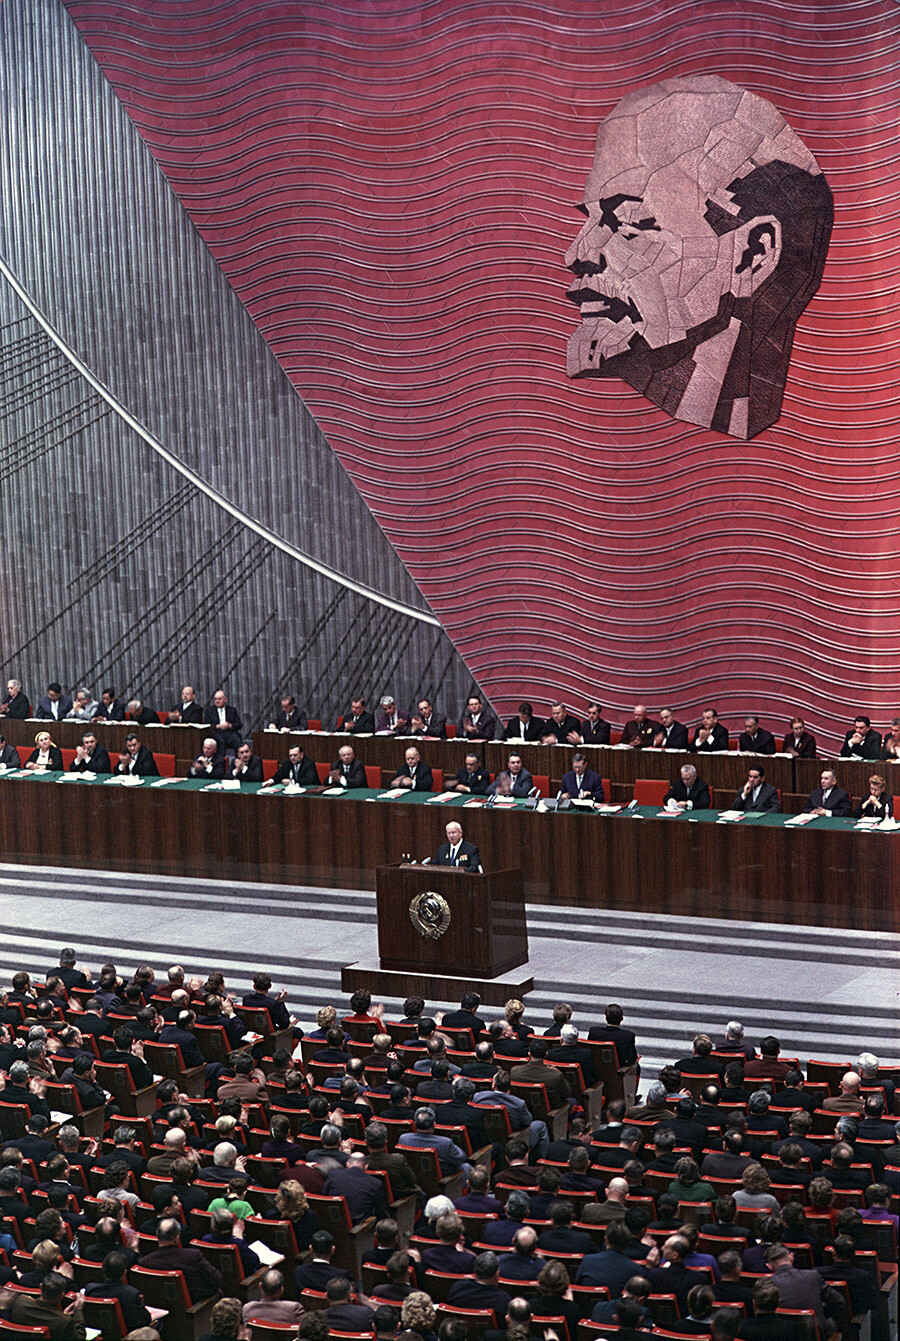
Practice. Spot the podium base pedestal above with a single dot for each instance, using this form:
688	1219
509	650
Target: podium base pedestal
435	986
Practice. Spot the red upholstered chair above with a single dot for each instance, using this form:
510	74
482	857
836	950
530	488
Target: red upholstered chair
542	782
323	769
437	779
68	756
650	792
373	776
166	765
615	737
315	724
451	731
270	768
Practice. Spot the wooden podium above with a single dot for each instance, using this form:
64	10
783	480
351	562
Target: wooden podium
442	932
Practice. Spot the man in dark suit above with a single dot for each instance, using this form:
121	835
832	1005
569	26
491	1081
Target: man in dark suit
390	720
210	762
289	717
261	999
139	714
9	755
225	722
82	1076
757	794
137	759
688	792
413	774
594	731
754	739
861	742
188	710
363	1194
560	727
515	781
457	851
348	771
55	705
110	708
613	1032
90	756
466	1017
710	735
342	1313
477	722
247	766
484	1291
640	730
115	1286
426	722
570	1049
318	1271
128	1053
15	702
295	768
66	970
798	741
829	799
472	778
357	719
673	1277
670	734
581	782
182	1033
201	1278
524	726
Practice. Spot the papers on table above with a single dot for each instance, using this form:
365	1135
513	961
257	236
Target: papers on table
796	821
441	797
608	809
168	782
226	785
392	793
730	817
123	780
335	791
669	814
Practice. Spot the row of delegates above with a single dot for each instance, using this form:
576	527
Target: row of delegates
710	736
690	792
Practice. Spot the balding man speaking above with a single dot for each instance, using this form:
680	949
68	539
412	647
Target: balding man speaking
457	851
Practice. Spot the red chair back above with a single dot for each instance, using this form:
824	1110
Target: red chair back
649	792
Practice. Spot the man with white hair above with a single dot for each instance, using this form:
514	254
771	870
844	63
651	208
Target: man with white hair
688	792
734	1041
84	707
226	1164
867	1069
849	1100
570	1050
390	720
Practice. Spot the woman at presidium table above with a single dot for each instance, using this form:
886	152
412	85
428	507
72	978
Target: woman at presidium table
879	804
45	756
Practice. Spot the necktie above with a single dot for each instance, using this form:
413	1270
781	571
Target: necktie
453	852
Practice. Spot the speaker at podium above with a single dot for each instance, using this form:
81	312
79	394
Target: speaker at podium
446	930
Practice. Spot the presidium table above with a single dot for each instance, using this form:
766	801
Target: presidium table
764	868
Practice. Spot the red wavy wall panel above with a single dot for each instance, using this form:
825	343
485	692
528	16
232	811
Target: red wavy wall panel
390	188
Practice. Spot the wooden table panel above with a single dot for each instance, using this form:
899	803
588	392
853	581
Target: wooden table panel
826	874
